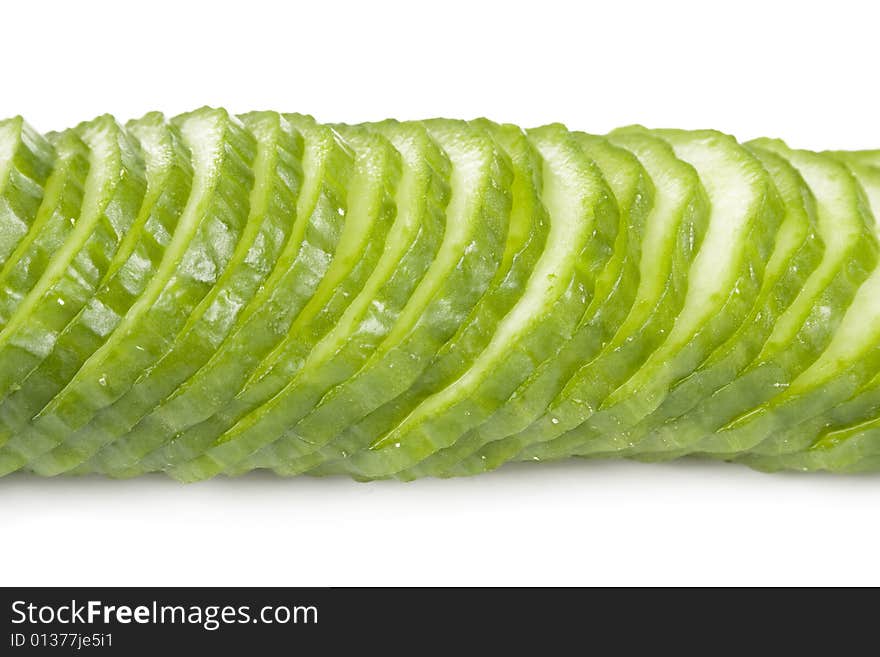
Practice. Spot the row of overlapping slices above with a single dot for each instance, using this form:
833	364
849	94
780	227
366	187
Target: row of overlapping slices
213	294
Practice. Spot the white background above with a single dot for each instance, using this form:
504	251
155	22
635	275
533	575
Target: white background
801	71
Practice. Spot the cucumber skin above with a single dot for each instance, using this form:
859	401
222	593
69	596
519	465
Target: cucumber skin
642	333
466	277
615	292
158	219
708	398
269	315
121	356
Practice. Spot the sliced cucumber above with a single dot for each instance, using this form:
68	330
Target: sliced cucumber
817	436
317	217
526	238
113	193
616	292
674	229
535	344
723	282
420	198
26	160
367	220
460	274
56	216
748	367
258	243
128	275
853	328
205	237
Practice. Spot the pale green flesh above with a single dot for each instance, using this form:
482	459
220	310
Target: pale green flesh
26	160
465	264
320	212
546	314
674	230
831	434
524	244
850	229
414	236
213	294
126	278
357	262
614	292
745	365
113	192
185	274
722	282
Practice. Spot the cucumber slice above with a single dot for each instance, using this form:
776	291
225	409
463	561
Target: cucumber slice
113	193
26	160
54	221
819	437
367	220
723	283
421	197
582	270
748	369
460	274
128	275
205	236
526	238
317	218
613	300
847	360
261	237
674	230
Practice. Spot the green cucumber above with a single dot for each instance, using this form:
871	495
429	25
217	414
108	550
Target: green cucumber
316	212
312	201
673	232
258	244
818	435
848	358
113	193
614	299
752	365
26	160
204	239
459	275
127	277
56	216
370	212
588	266
420	199
526	238
213	294
723	282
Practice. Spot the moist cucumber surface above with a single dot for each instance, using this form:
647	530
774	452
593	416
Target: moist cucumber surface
211	294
